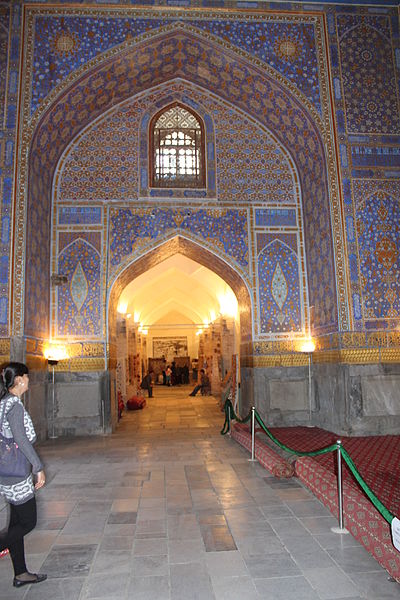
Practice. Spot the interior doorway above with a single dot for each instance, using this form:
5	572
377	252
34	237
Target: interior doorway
173	321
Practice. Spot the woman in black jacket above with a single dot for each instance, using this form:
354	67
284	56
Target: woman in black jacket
19	492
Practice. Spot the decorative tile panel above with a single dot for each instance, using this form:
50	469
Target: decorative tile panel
79	302
68	41
378	234
369	78
132	231
278	280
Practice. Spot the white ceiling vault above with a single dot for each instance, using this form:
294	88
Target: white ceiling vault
177	291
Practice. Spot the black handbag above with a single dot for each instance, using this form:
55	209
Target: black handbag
13	462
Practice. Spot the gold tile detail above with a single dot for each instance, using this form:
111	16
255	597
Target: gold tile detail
376	339
5	347
390	355
393	338
362	356
352	340
327	356
81	364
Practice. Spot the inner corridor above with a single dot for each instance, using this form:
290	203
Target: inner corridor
168	509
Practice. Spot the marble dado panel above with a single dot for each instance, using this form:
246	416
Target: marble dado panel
380	395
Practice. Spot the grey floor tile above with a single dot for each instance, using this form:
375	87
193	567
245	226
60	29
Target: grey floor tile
258	545
69	561
331	583
184	551
272	565
110	543
317	525
149	588
229	563
112	562
126	518
376	586
145	566
55	589
150	547
354	559
190	582
285	588
106	586
154	485
234	588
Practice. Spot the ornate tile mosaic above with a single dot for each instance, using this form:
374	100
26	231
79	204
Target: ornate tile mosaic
295	131
133	232
241	82
378	234
104	163
369	79
67	42
79	302
4	33
279	285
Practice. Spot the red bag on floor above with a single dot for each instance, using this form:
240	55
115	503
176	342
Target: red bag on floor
136	403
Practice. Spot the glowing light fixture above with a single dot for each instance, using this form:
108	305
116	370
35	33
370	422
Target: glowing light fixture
136	316
307	346
55	352
122	307
228	305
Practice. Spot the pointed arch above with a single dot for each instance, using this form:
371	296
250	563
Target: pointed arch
198	253
292	124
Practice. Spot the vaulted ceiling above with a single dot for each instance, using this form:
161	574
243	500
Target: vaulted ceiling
177	291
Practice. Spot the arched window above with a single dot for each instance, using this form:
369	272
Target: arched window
177	142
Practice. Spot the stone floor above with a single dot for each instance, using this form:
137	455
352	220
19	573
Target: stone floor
167	508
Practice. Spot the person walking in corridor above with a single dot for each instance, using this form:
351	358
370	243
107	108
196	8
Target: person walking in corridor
147	384
19	491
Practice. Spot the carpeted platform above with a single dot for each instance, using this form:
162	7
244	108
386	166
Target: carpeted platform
377	458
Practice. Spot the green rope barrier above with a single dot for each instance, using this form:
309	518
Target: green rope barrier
386	514
230	415
298	452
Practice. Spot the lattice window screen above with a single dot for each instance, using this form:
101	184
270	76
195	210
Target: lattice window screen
178	149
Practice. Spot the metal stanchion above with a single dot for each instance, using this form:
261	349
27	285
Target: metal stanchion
53	362
253	435
339	529
229	432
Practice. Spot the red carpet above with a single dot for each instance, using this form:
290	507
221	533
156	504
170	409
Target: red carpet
377	458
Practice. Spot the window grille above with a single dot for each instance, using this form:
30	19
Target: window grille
178	149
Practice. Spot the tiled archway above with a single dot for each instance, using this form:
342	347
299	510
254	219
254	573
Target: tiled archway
133	71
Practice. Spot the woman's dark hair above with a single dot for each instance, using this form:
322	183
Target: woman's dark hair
8	375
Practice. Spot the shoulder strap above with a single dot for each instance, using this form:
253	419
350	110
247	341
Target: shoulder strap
3	403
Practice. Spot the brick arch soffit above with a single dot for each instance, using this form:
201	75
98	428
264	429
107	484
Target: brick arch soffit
121	76
179	244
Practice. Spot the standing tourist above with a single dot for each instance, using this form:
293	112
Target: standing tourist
19	490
